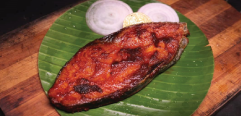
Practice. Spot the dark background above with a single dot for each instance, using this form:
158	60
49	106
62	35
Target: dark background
15	13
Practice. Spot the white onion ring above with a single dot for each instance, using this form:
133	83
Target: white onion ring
159	12
107	16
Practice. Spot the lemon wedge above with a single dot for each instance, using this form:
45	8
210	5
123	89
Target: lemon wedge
136	18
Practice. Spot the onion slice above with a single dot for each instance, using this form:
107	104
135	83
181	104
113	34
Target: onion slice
159	12
107	16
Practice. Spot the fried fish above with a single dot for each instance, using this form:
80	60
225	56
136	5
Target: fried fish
118	65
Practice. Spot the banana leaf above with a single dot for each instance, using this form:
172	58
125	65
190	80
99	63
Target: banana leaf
177	91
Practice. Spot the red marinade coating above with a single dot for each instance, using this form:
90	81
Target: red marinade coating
109	66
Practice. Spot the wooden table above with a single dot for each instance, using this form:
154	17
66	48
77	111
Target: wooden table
21	91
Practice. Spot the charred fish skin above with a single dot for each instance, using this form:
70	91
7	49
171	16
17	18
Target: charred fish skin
118	65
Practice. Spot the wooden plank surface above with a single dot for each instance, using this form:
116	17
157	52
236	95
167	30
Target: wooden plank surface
21	91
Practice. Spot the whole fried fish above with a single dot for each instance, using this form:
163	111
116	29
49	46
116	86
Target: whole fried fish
118	65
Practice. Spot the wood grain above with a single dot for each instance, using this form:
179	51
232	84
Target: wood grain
11	97
168	2
226	81
23	94
38	106
207	11
22	70
185	6
231	34
21	91
220	22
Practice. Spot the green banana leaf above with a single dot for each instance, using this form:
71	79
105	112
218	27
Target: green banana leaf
177	91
